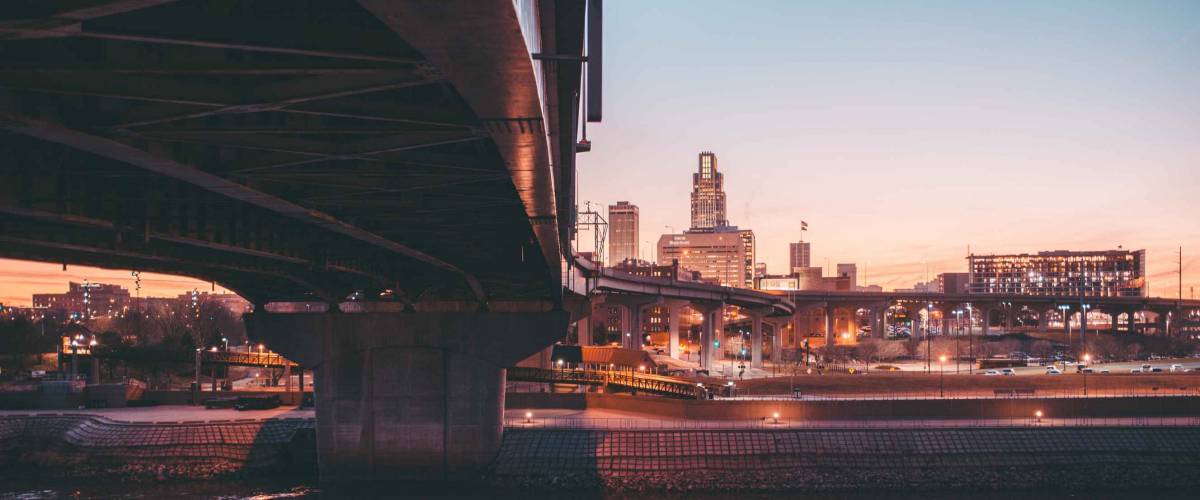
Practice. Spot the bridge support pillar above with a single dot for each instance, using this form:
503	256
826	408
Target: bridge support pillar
407	396
756	340
674	323
830	336
1044	320
879	320
777	328
986	320
714	329
1132	322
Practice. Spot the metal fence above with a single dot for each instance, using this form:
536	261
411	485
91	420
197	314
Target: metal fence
770	423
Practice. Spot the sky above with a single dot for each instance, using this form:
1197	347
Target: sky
905	133
902	132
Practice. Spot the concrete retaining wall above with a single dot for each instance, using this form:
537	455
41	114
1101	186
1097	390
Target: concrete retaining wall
859	409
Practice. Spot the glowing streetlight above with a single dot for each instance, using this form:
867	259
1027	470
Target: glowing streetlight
775	416
529	417
942	374
1038	414
1087	358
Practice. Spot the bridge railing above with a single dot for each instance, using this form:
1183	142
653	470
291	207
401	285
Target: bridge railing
638	381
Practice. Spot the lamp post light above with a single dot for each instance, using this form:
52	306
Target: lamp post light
1087	360
958	334
226	341
1083	321
942	375
1066	321
928	341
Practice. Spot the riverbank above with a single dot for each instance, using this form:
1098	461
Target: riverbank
74	446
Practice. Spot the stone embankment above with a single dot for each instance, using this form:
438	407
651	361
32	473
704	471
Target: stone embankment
830	460
79	446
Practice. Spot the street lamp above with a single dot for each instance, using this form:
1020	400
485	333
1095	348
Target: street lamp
1087	361
226	341
1066	321
942	375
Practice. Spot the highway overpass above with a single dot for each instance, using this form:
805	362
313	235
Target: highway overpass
402	167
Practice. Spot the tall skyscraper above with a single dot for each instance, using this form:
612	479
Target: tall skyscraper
622	232
800	255
708	195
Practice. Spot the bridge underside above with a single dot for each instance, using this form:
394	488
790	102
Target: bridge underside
390	153
298	150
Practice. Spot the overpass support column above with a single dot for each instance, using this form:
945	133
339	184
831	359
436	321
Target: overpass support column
986	311
1132	322
829	323
407	396
777	328
632	334
674	323
714	319
879	320
1010	316
756	340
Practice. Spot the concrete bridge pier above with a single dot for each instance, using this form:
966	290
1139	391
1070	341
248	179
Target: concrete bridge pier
777	328
632	334
674	322
830	335
407	396
714	328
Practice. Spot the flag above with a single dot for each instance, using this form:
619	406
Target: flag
803	226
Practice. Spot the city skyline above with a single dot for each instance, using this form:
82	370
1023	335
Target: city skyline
902	151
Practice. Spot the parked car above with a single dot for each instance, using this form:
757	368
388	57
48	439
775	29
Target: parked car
1135	370
1086	370
1157	369
1053	371
1177	369
1104	371
991	373
1145	368
1008	371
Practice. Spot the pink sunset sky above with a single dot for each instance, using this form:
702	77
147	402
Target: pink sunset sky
902	132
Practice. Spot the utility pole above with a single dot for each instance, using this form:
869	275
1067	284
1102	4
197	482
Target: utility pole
1179	299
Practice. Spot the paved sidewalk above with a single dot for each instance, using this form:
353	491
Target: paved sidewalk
598	419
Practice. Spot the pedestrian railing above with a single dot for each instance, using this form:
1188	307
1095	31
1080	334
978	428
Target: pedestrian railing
655	384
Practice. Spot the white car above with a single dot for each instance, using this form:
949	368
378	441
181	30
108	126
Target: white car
1135	370
1177	369
991	373
1008	371
1104	370
1053	371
